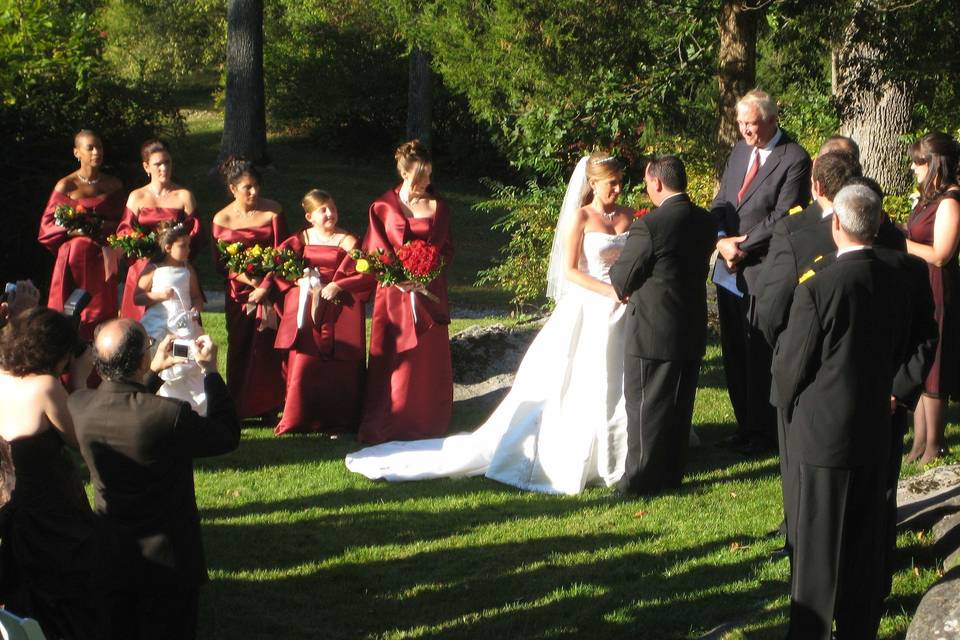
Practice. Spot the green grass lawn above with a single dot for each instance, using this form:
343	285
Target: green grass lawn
300	548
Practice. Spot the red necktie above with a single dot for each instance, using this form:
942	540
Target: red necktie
751	174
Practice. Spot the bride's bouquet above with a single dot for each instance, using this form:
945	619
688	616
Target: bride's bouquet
415	261
78	218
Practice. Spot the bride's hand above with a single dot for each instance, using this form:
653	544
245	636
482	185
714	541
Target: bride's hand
612	294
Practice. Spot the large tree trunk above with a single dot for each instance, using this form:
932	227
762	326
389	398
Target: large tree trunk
244	123
738	69
420	98
875	110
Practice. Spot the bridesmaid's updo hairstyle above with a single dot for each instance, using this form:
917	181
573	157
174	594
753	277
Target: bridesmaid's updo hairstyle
84	133
412	157
150	147
315	198
601	165
940	153
35	341
168	232
234	169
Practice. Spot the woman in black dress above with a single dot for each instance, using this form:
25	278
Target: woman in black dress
48	548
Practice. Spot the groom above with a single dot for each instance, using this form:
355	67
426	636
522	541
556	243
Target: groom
663	270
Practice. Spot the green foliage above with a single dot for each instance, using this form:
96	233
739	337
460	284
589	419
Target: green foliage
158	43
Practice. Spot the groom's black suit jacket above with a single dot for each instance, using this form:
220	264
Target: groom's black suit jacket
663	269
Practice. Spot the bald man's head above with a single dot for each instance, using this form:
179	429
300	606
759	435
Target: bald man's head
840	143
118	349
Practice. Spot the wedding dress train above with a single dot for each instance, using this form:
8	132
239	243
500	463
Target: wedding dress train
562	426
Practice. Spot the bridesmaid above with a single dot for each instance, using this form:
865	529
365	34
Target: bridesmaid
254	367
160	199
85	262
410	381
327	355
933	233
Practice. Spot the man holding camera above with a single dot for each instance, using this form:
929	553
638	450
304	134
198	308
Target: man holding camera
140	448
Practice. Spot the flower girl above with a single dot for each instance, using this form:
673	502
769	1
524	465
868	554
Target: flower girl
170	290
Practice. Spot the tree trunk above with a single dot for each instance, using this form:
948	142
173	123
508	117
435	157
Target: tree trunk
738	69
420	98
875	110
244	122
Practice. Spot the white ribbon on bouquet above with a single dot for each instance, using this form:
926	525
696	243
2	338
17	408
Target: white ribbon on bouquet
310	285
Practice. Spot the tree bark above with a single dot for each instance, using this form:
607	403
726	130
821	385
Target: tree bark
244	123
738	69
420	98
874	109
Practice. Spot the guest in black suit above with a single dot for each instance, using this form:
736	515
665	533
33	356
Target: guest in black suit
847	336
663	270
140	449
766	175
812	213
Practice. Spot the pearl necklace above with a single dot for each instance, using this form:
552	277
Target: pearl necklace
87	180
608	216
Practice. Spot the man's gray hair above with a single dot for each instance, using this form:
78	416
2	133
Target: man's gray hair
858	208
762	102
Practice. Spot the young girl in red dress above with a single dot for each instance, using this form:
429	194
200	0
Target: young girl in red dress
323	326
85	261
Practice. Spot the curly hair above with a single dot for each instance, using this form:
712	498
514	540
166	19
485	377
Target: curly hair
35	341
234	168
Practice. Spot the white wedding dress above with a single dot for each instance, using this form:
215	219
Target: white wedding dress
563	425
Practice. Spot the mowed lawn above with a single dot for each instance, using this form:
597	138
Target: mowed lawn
298	547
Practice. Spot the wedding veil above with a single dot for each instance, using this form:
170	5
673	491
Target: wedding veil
572	201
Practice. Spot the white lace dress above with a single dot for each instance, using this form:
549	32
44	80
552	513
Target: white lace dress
181	381
563	425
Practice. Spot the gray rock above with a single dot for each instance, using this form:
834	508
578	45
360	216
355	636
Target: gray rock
489	355
938	616
924	500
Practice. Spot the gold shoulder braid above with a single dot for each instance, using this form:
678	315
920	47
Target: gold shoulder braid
797	209
809	273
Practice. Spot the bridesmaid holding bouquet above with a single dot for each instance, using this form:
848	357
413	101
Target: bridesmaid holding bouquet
323	326
161	199
410	382
254	367
83	259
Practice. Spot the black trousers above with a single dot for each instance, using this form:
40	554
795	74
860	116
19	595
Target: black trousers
154	615
789	481
746	361
659	400
898	423
839	563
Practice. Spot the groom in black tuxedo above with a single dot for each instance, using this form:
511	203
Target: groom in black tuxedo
663	271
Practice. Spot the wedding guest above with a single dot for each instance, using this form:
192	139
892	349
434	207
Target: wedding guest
847	336
49	544
767	175
170	290
933	234
85	261
160	199
140	450
254	367
323	326
410	381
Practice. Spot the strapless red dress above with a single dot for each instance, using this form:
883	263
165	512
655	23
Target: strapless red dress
254	366
409	392
81	261
147	219
326	358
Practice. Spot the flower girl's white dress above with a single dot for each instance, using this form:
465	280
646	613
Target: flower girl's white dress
563	424
181	381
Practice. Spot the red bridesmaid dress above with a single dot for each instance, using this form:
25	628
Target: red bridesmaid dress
147	219
82	262
254	367
326	360
409	392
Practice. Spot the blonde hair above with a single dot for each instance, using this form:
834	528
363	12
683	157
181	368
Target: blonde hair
413	156
315	198
601	165
761	101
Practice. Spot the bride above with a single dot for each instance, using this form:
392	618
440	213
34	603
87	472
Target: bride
563	424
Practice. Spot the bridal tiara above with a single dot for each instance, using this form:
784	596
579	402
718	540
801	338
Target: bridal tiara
603	160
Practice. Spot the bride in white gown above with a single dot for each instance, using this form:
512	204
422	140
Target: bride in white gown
563	424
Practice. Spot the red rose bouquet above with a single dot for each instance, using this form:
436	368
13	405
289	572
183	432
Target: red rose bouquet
134	243
415	261
78	218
